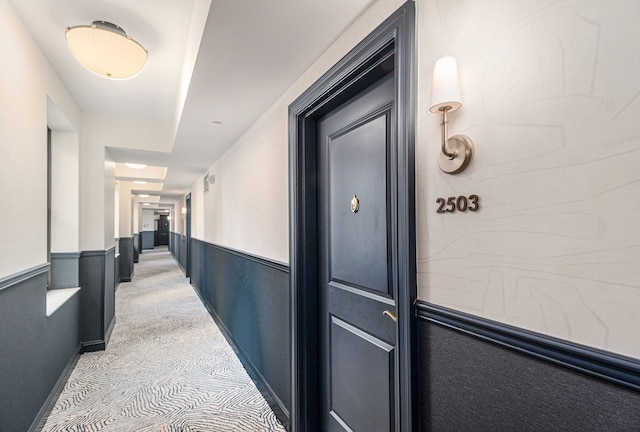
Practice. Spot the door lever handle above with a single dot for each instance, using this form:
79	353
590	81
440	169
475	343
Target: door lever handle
390	315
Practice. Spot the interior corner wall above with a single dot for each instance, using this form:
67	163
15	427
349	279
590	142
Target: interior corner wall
116	211
125	213
27	80
65	190
92	187
109	200
550	99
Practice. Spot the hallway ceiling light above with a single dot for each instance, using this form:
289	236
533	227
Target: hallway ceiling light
140	182
143	196
146	204
457	151
106	49
135	166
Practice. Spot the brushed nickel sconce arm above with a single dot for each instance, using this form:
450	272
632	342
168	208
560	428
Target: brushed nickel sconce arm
457	151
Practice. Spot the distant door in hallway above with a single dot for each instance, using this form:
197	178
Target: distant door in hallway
357	292
163	230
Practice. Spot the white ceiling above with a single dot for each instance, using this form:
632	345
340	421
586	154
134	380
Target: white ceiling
250	52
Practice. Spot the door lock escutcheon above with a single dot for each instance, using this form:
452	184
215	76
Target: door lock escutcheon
355	204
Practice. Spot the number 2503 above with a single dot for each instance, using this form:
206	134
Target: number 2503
461	204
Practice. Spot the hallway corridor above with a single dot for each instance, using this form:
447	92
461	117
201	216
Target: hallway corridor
167	366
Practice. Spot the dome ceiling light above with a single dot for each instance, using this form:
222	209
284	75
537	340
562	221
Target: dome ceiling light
106	49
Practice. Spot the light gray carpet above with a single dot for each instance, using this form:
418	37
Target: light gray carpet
167	366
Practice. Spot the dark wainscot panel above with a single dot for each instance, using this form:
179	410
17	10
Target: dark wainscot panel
177	244
64	270
148	240
136	247
97	279
248	297
37	353
125	270
479	375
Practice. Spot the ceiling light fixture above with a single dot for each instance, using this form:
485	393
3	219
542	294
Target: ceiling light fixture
106	49
135	166
143	196
139	182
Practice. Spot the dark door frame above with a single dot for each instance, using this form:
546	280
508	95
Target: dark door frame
355	71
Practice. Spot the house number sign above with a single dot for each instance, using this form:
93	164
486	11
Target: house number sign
461	204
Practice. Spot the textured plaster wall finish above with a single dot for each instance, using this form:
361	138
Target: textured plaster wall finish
27	81
247	206
109	201
125	213
116	212
65	192
147	220
197	210
135	214
551	99
92	177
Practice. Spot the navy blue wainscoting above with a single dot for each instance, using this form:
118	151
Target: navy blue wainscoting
97	279
177	247
64	270
148	239
478	375
248	297
37	353
125	271
136	247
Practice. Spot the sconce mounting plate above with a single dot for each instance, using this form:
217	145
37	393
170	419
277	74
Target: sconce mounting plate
462	147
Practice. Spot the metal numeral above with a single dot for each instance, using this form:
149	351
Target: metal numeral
461	204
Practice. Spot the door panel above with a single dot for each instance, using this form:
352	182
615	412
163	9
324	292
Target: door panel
359	377
361	392
358	240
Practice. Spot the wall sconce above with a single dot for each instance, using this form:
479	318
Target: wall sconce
456	151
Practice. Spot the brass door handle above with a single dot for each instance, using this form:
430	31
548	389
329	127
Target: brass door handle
390	315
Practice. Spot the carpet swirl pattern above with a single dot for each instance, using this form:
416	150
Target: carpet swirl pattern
167	367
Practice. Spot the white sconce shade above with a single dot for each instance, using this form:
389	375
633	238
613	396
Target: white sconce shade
445	90
106	49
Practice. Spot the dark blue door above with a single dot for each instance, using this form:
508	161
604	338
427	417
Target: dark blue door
358	288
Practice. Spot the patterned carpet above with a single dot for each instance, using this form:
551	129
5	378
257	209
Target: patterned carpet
167	366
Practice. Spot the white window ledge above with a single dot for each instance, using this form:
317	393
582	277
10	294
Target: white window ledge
58	297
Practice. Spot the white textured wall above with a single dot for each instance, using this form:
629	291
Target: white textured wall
110	210
65	192
550	92
147	220
125	213
26	80
247	207
198	215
